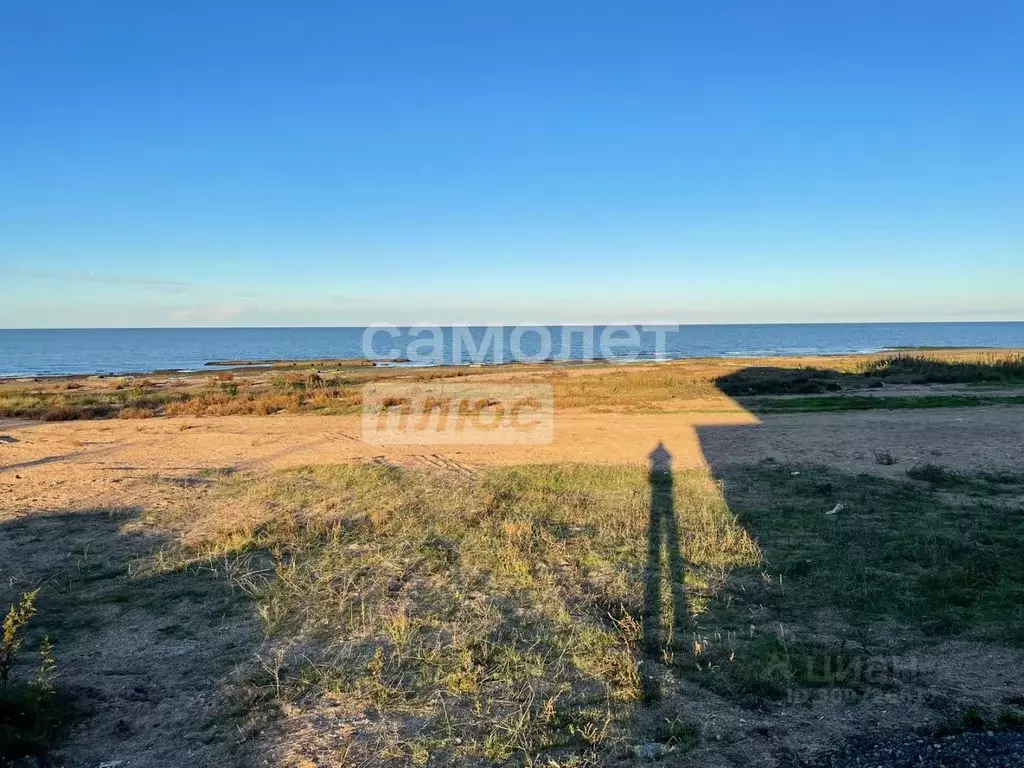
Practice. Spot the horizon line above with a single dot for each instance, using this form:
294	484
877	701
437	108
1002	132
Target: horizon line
422	324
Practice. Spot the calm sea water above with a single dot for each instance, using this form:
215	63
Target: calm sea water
49	352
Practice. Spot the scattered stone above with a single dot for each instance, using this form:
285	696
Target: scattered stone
650	751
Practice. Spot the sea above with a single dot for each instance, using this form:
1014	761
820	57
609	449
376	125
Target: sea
50	352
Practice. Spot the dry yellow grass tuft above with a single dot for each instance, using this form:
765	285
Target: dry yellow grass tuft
131	412
646	387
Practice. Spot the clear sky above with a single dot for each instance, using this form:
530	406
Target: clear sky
203	162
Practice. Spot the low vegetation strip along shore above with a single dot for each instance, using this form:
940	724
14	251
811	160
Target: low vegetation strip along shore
660	387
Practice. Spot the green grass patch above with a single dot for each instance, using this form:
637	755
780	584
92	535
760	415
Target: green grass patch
928	369
899	567
938	565
976	483
71	406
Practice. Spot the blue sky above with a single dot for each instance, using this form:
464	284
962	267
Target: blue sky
198	162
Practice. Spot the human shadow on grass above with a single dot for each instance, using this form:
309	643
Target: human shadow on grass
143	660
664	558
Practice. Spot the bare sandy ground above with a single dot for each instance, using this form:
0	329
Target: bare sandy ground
82	464
961	439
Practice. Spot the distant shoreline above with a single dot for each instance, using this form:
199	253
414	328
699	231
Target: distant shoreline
342	364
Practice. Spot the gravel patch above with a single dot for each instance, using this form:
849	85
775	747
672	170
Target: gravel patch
972	749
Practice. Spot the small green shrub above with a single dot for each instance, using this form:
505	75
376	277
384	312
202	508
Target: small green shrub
17	618
30	712
885	458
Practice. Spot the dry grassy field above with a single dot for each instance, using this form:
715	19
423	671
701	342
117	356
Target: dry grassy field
714	563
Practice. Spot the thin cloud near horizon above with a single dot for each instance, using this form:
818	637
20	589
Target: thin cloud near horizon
152	283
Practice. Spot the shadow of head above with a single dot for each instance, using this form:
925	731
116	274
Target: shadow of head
660	459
